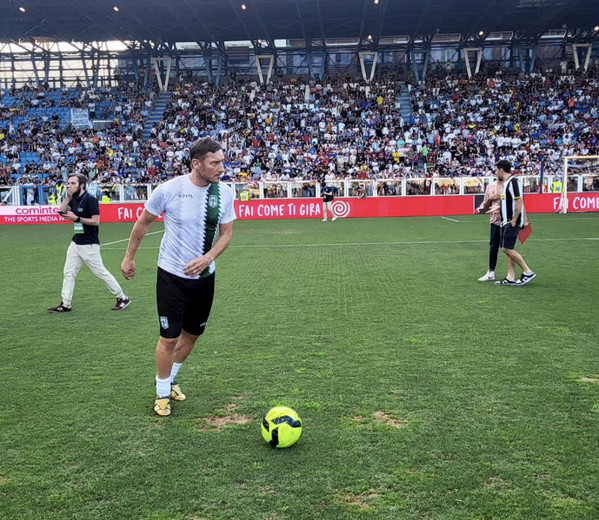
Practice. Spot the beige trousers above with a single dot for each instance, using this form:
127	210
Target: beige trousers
327	206
89	255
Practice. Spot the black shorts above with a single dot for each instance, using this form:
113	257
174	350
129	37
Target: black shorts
509	235
183	304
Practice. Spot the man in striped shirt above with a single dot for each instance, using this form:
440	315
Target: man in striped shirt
513	219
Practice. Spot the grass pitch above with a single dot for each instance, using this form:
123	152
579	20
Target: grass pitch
424	394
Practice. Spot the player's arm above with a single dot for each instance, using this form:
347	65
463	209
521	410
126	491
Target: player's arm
517	194
491	189
517	211
93	207
64	206
94	220
491	195
486	203
139	231
201	263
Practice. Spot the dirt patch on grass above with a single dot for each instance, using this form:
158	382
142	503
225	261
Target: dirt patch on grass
385	418
379	418
218	422
496	482
361	501
589	380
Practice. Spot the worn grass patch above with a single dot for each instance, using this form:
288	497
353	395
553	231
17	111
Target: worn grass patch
228	418
380	418
363	501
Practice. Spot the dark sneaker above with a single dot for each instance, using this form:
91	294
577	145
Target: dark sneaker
505	281
60	309
525	278
121	303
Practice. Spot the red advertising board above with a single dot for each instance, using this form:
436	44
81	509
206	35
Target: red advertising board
311	208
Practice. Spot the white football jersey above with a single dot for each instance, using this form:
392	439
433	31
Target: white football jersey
191	219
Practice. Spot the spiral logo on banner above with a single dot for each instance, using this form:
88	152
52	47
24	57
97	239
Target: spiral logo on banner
341	208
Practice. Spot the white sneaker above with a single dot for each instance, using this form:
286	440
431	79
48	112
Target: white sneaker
334	218
489	277
525	278
324	219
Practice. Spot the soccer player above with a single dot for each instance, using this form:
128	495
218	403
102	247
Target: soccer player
198	226
328	194
84	211
513	219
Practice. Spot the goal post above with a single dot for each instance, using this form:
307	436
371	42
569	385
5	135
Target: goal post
582	170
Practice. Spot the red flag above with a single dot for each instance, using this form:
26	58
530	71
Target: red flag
525	232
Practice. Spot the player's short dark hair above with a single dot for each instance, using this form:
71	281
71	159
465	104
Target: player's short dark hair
80	177
203	147
506	166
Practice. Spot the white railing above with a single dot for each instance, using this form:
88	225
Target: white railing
356	188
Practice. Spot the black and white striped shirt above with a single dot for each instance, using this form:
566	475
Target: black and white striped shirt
512	191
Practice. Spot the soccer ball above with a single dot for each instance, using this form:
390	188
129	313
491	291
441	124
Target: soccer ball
281	427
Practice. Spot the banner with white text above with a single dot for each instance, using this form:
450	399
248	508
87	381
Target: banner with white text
312	208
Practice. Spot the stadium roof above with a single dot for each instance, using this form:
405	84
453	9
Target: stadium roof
234	20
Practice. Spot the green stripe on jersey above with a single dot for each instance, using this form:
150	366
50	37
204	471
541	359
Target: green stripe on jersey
212	218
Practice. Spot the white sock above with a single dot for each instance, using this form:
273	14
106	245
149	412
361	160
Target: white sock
491	273
163	387
175	370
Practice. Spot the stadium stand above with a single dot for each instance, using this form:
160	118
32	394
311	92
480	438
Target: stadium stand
305	129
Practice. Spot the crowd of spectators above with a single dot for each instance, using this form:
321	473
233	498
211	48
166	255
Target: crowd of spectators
527	120
310	130
37	147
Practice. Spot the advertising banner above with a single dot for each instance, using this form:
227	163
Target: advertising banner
312	208
355	208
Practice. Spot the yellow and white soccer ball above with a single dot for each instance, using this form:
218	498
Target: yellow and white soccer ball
281	427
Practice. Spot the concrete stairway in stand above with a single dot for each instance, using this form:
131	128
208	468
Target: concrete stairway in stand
156	114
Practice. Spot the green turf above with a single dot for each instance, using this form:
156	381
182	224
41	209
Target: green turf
424	393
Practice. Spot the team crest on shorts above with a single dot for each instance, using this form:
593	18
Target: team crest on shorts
213	201
164	322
